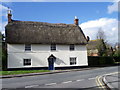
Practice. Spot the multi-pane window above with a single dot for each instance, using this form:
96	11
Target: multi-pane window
72	47
73	60
53	46
26	62
27	47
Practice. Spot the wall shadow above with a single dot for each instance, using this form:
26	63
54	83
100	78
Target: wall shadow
59	61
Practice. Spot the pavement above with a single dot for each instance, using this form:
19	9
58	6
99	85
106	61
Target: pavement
112	80
43	73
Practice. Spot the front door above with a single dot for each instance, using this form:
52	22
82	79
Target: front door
51	61
51	64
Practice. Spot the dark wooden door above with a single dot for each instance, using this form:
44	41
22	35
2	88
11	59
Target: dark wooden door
51	64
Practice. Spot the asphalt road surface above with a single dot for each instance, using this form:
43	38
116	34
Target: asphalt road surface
86	79
113	80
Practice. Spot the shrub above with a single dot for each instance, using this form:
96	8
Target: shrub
100	60
116	59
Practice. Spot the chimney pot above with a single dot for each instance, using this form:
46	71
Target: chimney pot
9	15
76	20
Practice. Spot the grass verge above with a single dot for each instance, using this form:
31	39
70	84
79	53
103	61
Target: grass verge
21	72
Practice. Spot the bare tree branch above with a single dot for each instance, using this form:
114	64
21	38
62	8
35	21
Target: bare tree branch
101	34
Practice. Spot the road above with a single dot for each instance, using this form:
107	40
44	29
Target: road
113	80
87	79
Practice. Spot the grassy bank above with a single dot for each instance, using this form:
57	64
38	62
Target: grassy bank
21	72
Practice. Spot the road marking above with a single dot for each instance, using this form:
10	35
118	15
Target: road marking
80	80
99	82
101	86
31	86
112	73
91	78
50	84
67	82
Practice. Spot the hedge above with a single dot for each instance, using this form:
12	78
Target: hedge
116	59
100	60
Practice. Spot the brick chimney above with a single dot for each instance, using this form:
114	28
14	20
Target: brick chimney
76	20
9	15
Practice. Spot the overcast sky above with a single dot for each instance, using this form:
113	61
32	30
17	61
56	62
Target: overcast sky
92	15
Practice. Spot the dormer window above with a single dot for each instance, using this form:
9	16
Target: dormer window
27	47
53	47
72	47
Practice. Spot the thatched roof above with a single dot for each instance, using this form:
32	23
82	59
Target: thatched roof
18	32
95	44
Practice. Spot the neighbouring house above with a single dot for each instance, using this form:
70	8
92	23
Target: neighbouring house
116	50
95	47
109	50
99	48
117	46
44	45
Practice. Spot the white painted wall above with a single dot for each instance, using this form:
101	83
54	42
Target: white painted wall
40	53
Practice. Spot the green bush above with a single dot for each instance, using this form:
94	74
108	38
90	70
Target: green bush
100	60
0	57
116	59
4	59
4	62
117	53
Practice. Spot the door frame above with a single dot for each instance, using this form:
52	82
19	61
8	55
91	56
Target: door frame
51	60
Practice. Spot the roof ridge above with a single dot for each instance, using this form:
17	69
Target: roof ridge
42	22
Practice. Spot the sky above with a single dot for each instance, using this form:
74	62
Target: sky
92	16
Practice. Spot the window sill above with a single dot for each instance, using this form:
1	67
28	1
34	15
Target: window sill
54	50
28	51
27	65
74	65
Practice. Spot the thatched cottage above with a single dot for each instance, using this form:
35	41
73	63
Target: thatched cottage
45	45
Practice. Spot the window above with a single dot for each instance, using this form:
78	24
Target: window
26	62
53	47
72	60
72	47
27	47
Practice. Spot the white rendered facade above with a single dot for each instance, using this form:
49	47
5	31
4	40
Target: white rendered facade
39	55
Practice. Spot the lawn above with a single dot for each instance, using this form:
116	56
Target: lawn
21	72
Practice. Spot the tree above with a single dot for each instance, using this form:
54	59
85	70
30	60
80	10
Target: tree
102	47
117	49
0	51
101	35
3	53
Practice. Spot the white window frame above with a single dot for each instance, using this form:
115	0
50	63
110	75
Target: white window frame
26	63
71	47
73	60
53	47
27	48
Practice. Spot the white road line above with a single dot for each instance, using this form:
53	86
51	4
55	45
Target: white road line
67	82
112	73
80	80
50	84
91	78
31	86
